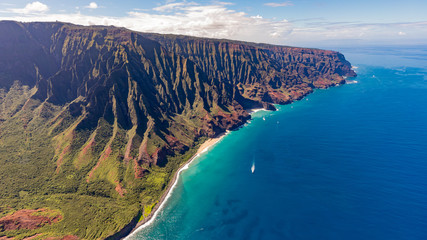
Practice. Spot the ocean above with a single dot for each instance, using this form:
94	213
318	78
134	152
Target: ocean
349	162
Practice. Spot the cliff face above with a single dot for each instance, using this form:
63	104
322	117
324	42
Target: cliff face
106	114
262	72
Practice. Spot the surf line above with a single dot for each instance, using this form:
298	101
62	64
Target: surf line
168	193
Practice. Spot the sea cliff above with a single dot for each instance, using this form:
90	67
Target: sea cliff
102	117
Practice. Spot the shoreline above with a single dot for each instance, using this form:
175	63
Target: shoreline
254	110
204	147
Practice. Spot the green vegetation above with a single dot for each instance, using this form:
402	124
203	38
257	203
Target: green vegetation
96	126
48	213
147	211
79	210
29	179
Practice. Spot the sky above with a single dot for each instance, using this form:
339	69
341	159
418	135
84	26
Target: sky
305	23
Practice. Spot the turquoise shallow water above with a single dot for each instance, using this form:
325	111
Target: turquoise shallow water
345	163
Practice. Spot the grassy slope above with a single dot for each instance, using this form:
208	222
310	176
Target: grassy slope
29	176
89	138
91	210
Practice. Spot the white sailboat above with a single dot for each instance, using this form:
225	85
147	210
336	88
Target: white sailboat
253	167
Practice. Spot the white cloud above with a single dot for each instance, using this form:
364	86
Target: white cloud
216	20
92	5
344	33
31	8
223	3
208	21
141	9
170	7
283	4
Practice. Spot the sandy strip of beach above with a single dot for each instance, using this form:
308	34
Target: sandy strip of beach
168	192
208	143
250	111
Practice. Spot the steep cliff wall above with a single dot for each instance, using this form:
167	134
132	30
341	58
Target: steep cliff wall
263	72
102	117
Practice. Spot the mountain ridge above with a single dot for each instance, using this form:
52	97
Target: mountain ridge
99	114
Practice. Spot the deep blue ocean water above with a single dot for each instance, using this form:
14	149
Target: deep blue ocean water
348	162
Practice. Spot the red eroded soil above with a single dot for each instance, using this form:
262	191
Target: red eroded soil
28	219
